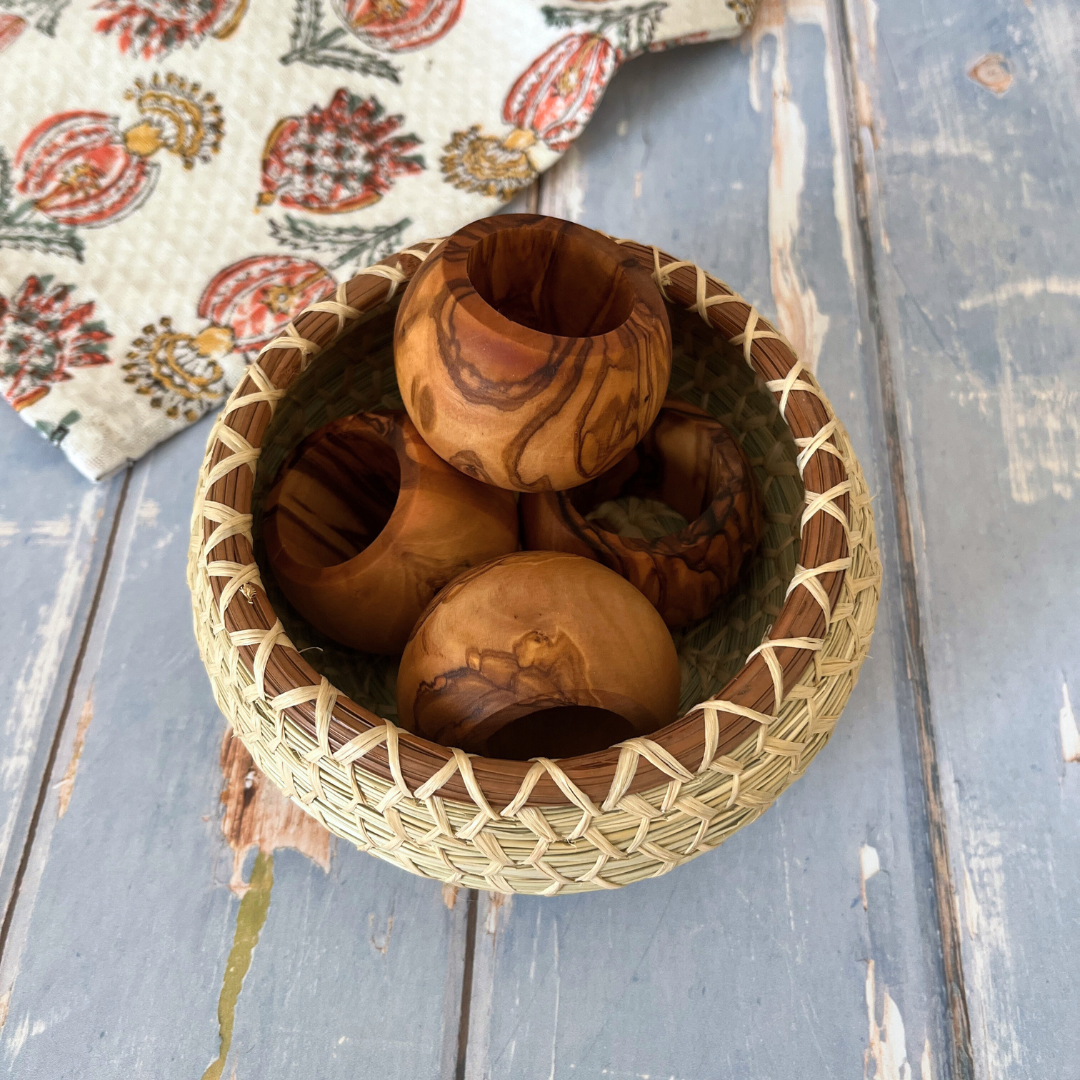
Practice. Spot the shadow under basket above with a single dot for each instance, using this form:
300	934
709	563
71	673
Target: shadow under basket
764	678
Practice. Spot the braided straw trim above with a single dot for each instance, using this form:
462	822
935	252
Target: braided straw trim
520	847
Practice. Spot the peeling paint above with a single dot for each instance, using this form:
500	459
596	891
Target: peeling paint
498	909
797	311
449	896
869	865
971	907
1070	734
8	529
5	1004
992	72
147	512
51	532
1040	420
925	1071
18	1039
1040	427
942	145
381	945
67	782
989	963
886	1049
250	919
256	814
1053	285
44	654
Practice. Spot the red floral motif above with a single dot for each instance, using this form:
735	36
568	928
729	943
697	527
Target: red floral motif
11	26
43	334
556	95
152	28
257	296
77	170
340	158
80	169
399	25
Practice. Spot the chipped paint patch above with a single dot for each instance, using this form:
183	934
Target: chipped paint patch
1040	427
67	782
383	942
925	1070
1070	733
250	919
942	145
1053	285
8	529
869	865
886	1049
18	1039
44	654
971	907
991	72
989	963
147	512
55	531
797	313
449	896
498	910
1040	420
5	1004
256	814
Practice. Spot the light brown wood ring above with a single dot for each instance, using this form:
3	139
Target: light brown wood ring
823	541
692	463
532	353
530	632
365	524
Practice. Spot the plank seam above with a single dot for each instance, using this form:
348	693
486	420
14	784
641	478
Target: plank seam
961	1057
65	710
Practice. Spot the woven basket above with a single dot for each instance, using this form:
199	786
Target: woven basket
764	680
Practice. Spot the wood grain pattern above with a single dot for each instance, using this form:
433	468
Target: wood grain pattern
534	631
970	226
366	524
692	463
532	353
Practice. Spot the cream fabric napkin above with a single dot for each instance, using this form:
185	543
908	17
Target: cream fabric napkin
180	177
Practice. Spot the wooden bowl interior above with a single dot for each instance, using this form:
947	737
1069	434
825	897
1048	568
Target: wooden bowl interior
551	282
337	496
357	374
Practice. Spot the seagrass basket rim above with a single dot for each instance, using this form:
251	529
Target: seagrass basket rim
222	549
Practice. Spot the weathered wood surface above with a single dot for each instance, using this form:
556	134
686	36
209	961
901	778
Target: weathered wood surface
129	953
971	147
53	533
761	959
897	187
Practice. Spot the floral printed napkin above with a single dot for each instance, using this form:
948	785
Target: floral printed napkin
180	177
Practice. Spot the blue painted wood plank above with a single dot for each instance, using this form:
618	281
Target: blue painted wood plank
972	155
759	959
129	953
53	531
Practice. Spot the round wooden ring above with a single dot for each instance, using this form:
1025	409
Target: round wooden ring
692	463
365	524
532	353
534	631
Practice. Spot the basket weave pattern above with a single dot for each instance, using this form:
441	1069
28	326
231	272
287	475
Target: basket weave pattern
431	810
